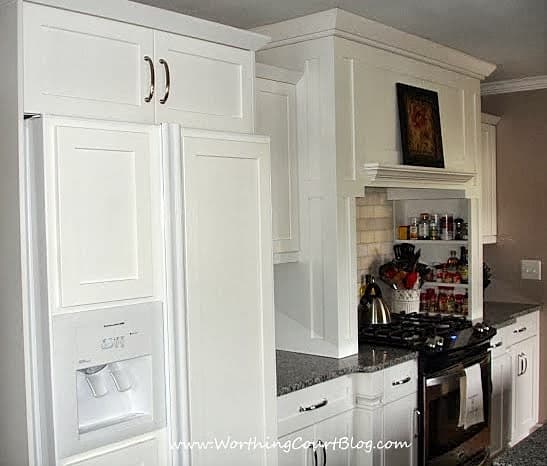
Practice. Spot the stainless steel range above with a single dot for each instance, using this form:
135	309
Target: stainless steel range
446	345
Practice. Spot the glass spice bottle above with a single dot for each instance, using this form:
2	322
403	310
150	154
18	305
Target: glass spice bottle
434	227
423	226
413	228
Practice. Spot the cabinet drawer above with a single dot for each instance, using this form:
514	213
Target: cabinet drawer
501	342
525	327
400	380
311	405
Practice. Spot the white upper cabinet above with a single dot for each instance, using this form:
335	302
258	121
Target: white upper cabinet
79	65
103	208
210	85
84	66
488	156
276	117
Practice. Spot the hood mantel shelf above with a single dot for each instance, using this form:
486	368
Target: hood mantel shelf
377	174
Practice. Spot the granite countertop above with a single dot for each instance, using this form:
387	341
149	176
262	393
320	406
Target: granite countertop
531	451
296	371
501	314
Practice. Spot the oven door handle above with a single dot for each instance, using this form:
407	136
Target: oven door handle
456	371
417	416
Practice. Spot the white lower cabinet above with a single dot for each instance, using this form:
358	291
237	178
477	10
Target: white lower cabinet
331	436
515	382
297	448
525	388
500	424
357	420
400	432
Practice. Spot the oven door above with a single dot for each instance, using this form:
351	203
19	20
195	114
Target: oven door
444	442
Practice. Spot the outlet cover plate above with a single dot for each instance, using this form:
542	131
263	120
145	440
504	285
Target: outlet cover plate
530	269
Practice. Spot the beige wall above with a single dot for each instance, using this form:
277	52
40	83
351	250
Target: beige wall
522	200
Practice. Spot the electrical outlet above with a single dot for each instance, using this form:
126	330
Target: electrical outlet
530	269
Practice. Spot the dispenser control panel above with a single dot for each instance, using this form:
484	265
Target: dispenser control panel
114	336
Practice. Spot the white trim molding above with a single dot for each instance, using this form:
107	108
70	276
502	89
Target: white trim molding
385	175
489	119
275	73
340	23
531	83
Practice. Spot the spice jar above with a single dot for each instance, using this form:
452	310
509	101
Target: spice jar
447	227
403	232
434	232
423	226
413	228
458	229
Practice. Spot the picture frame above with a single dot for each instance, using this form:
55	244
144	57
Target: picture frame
420	125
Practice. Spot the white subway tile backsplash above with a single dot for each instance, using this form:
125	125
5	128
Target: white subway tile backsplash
374	219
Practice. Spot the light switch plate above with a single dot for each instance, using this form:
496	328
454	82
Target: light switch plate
530	269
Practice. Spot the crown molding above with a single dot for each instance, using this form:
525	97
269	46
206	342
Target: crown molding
531	83
340	23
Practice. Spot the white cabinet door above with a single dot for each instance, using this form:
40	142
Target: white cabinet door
103	210
399	420
525	388
80	65
229	294
330	436
500	422
297	448
276	117
488	182
210	85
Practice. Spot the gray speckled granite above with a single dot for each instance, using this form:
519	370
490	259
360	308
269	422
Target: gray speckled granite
503	314
296	371
530	452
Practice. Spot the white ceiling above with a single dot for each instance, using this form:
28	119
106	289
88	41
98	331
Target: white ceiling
510	33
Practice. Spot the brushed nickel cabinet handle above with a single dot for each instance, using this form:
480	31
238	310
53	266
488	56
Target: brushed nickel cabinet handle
167	81
497	345
401	382
152	87
322	403
322	446
314	453
520	330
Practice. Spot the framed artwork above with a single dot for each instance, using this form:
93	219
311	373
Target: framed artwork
420	125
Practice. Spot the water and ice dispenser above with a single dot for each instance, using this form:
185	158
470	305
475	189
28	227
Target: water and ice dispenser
109	378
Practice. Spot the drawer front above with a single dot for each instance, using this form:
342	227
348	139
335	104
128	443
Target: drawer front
525	327
501	341
309	406
400	380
